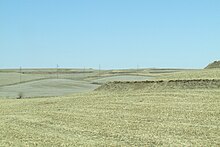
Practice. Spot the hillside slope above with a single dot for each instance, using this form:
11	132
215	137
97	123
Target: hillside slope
160	85
215	64
46	87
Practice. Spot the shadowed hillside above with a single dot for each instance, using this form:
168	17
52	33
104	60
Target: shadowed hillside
215	64
160	85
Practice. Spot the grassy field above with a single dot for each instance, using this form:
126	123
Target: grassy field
121	78
193	74
53	82
46	87
131	116
159	118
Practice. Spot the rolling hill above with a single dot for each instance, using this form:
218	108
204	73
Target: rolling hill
215	64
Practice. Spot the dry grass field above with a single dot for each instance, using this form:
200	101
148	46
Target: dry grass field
52	82
128	116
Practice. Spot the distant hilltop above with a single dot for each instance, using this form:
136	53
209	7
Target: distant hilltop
215	64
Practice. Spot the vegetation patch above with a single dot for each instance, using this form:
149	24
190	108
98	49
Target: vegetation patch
215	64
161	84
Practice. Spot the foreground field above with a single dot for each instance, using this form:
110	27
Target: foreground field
176	108
139	118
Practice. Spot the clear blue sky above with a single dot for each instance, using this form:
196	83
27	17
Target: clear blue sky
113	33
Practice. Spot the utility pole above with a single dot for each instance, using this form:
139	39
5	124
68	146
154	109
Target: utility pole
20	94
20	70
137	69
57	70
84	71
99	70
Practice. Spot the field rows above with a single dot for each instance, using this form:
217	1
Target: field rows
156	118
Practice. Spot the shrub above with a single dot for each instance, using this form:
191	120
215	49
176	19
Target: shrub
20	95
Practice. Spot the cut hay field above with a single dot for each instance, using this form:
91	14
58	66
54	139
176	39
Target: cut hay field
172	109
46	87
193	74
121	78
52	82
157	118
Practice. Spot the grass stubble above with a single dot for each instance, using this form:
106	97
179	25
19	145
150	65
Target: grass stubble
171	116
157	118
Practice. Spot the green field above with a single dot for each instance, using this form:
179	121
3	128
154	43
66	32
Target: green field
176	114
50	82
46	87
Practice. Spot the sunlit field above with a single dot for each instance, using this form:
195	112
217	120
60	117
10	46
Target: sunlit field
109	73
167	116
